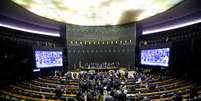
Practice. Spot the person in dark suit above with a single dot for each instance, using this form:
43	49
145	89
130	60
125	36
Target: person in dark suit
177	97
80	96
58	92
122	96
193	92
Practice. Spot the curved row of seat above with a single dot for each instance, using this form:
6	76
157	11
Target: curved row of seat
163	89
43	89
39	89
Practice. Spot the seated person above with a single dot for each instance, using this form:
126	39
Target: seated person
58	92
193	92
177	97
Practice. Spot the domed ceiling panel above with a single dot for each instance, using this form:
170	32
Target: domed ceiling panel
97	12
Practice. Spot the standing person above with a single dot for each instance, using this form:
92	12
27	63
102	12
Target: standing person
193	92
122	96
58	92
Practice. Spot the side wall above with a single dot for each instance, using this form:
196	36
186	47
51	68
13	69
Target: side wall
184	46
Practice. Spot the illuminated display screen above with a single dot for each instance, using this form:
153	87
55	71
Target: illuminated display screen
155	57
97	12
46	59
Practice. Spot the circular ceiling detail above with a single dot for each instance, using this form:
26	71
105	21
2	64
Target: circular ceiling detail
97	12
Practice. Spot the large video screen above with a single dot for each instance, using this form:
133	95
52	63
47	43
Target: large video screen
155	57
46	59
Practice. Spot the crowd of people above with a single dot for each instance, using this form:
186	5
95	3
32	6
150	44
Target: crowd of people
95	85
102	65
112	85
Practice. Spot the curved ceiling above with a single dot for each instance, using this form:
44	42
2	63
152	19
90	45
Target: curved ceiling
97	12
186	13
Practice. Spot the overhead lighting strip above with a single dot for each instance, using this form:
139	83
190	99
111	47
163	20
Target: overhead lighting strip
172	27
55	34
